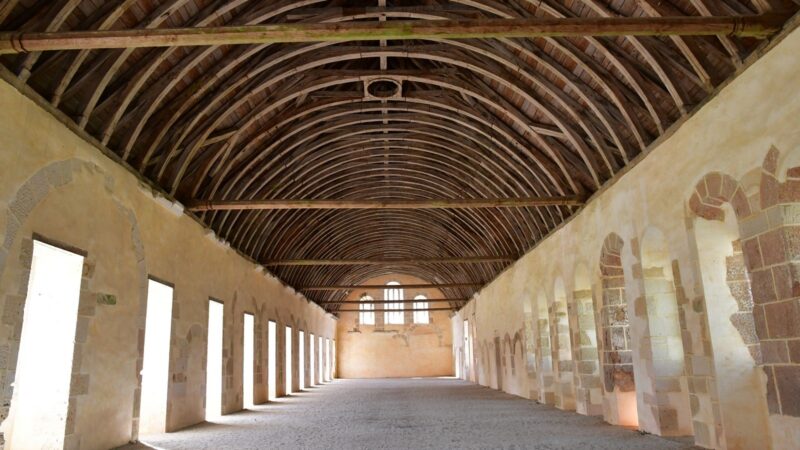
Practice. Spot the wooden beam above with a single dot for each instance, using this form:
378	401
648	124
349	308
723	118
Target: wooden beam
387	262
220	136
750	26
468	203
383	286
378	302
454	308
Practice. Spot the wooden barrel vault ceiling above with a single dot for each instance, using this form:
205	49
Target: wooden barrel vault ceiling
547	119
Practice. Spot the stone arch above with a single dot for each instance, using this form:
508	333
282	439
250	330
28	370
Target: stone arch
28	196
712	207
617	356
715	189
719	210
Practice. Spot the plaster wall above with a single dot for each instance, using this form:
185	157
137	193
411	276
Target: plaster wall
749	128
58	186
389	351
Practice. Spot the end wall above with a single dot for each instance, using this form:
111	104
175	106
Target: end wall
388	351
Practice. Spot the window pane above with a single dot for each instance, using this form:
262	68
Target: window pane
367	314
394	311
421	302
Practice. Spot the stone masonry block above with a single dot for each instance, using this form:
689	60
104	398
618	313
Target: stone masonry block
729	186
753	225
783	319
762	286
772	392
755	353
791	238
740	204
770	190
714	184
668	419
72	410
773	247
790	214
23	203
740	290
735	268
12	310
701	365
82	329
790	191
774	352
79	384
787	280
12	227
787	379
760	322
794	350
744	324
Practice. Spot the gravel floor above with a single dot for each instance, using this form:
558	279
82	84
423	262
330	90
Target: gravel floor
405	413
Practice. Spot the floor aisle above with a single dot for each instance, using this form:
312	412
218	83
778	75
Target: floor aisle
409	414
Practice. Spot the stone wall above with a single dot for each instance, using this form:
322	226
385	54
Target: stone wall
385	351
703	339
57	186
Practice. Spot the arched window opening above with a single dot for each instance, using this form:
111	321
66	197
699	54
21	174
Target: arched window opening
420	303
393	309
366	316
617	355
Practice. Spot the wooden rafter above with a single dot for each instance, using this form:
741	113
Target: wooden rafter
452	308
471	203
367	287
387	262
378	302
759	26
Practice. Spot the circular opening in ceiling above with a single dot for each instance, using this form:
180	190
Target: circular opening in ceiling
383	88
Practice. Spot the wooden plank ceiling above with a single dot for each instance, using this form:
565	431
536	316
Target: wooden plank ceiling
447	119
